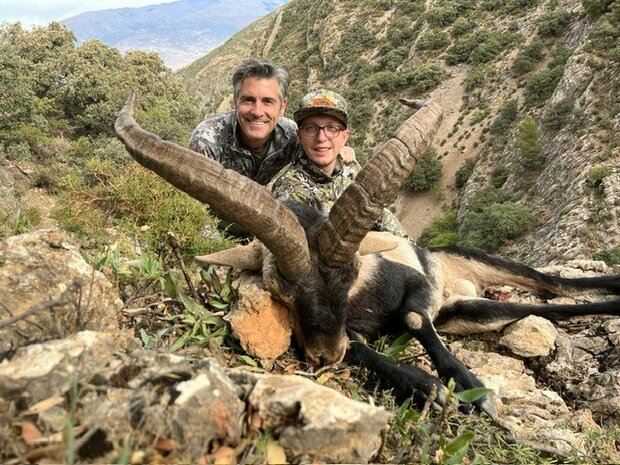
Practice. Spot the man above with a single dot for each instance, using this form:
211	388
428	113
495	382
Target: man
254	139
320	175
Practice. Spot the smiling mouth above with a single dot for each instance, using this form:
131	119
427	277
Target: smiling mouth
257	123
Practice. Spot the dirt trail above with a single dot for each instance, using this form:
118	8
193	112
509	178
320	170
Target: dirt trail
416	210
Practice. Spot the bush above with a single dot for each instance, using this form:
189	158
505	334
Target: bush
558	115
610	256
464	172
462	25
596	174
505	120
441	232
499	176
541	85
554	23
433	40
478	77
528	56
596	7
139	204
494	224
427	172
528	144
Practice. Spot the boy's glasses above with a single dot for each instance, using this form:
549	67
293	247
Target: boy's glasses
312	130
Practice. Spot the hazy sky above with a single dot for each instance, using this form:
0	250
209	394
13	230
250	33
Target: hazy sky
41	12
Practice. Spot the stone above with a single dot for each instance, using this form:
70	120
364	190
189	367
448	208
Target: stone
40	371
37	268
260	322
310	420
531	414
530	337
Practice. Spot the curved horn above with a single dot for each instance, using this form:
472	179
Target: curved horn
377	184
240	199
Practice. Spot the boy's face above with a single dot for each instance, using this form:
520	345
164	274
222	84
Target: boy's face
323	149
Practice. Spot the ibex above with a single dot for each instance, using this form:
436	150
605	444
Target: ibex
314	265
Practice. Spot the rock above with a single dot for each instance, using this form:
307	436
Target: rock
40	371
36	269
312	420
260	322
531	414
172	399
530	337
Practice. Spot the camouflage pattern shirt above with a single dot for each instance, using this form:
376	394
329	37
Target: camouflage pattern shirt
305	182
218	138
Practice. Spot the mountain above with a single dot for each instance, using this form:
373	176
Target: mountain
529	144
180	32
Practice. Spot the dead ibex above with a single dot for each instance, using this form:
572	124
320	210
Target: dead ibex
314	264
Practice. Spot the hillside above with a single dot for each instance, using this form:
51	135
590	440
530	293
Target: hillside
529	90
179	31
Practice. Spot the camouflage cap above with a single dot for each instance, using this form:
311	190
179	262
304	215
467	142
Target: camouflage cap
322	102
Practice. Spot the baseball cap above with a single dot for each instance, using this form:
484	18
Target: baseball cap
322	102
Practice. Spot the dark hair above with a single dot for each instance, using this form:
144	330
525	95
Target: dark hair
263	69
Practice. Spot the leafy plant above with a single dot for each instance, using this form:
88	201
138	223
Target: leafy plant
527	141
426	173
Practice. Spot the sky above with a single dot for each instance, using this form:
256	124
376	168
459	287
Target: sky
41	12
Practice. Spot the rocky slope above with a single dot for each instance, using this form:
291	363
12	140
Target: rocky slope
556	59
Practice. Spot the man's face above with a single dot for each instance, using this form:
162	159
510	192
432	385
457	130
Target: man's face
258	108
322	149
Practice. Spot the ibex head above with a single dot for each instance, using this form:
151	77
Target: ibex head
309	261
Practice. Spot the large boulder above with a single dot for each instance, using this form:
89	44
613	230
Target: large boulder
50	290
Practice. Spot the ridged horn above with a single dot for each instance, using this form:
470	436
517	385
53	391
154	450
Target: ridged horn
377	184
234	196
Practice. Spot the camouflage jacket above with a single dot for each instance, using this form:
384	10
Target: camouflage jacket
305	182
217	137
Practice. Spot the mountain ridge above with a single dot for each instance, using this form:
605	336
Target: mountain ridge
204	25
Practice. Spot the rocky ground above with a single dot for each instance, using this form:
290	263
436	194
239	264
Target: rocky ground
73	386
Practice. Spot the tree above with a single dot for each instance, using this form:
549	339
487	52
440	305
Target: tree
528	144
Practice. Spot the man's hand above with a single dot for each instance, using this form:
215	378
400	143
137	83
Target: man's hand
348	154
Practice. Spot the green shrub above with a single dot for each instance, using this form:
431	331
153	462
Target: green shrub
462	25
464	172
433	40
596	7
441	232
441	16
505	120
554	23
610	256
499	176
427	172
478	77
540	86
494	224
559	115
528	144
596	174
528	56
139	204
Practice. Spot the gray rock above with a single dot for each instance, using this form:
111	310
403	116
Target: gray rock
314	421
40	267
530	337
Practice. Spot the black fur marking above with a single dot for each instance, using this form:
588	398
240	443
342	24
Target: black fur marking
390	295
483	310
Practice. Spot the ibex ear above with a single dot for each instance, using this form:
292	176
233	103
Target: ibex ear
378	241
242	257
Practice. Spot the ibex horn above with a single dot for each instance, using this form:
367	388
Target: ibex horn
378	183
234	196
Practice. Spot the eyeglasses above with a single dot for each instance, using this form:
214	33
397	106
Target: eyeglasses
312	130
